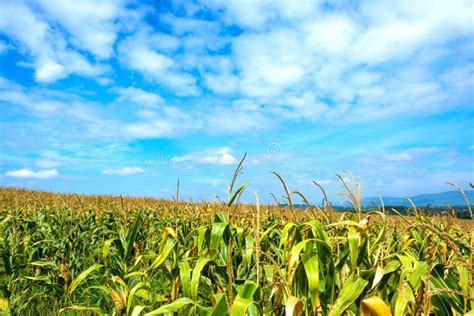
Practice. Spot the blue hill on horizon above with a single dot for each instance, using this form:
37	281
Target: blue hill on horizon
453	198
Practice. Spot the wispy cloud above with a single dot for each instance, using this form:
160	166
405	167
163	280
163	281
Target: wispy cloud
47	163
139	96
398	156
28	173
125	171
324	181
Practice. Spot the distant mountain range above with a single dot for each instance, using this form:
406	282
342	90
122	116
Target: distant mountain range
453	198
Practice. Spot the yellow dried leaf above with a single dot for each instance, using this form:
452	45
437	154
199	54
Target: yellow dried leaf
374	306
117	298
294	306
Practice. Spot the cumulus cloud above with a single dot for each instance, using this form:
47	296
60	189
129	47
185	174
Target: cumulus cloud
291	49
92	24
52	40
28	173
145	53
300	59
217	156
125	171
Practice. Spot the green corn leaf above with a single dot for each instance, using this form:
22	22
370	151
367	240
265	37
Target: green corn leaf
285	233
237	193
137	310
418	274
217	233
168	247
131	296
200	264
134	274
311	267
249	290
463	279
106	248
270	229
351	290
185	277
404	296
131	236
95	310
172	307
220	306
392	266
269	272
295	253
240	306
201	238
346	223
353	238
102	288
75	283
51	264
221	217
318	231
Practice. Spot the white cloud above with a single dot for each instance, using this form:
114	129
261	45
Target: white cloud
257	13
125	171
167	121
49	71
215	156
332	34
210	181
139	96
27	173
224	159
147	60
144	52
271	62
39	36
3	47
291	49
78	118
90	23
44	44
47	163
293	60
324	181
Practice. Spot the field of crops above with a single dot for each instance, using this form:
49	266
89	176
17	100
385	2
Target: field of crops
86	255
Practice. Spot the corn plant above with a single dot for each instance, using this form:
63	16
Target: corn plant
73	254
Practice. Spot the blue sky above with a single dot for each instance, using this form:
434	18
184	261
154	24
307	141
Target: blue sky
125	97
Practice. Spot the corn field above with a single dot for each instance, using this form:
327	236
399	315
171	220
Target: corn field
85	255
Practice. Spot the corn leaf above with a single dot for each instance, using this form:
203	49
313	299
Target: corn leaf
81	277
351	290
374	306
171	307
